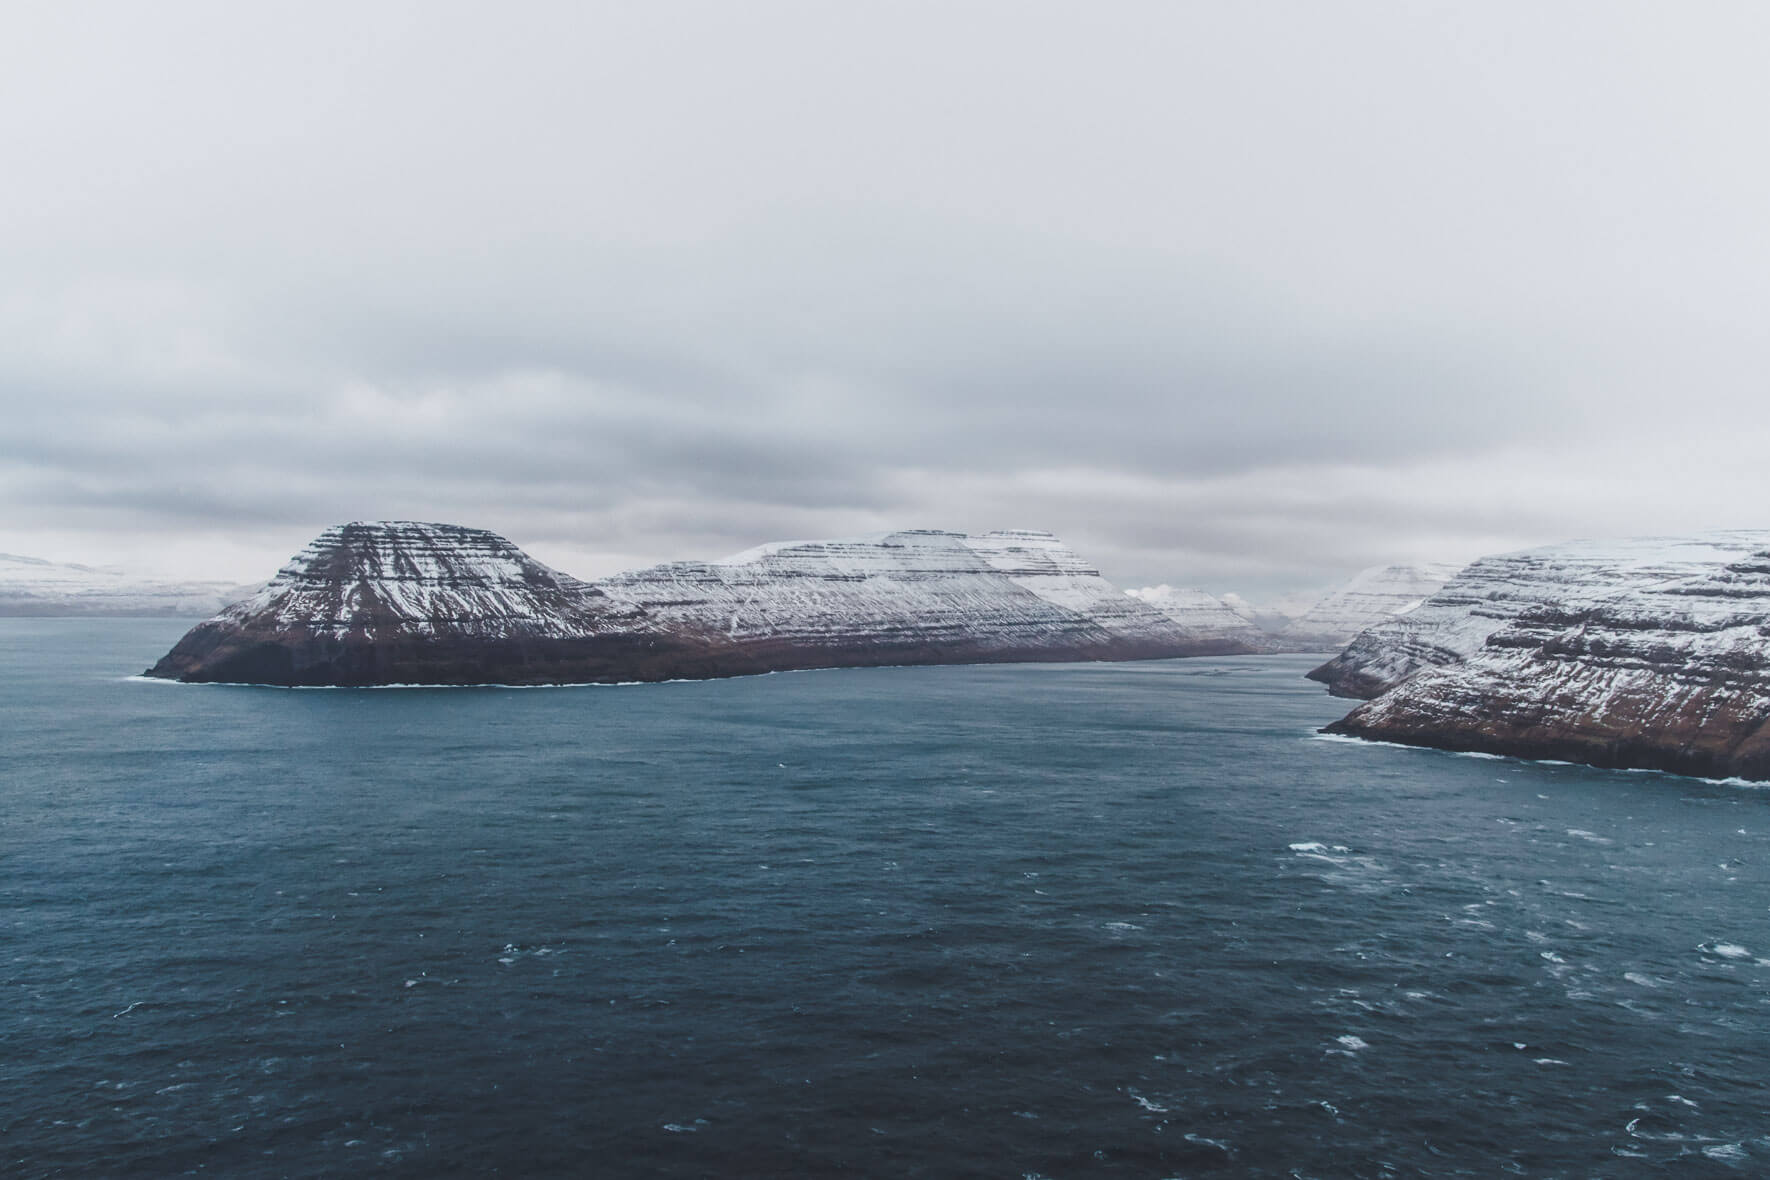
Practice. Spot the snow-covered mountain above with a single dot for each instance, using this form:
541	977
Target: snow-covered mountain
405	602
1453	624
32	586
1274	615
1648	653
1199	613
1368	598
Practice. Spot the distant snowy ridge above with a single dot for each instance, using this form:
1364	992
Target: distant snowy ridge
1650	653
1199	613
1303	621
35	587
1369	598
411	602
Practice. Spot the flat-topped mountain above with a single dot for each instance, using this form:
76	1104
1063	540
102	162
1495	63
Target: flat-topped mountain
1454	623
1369	598
1652	654
1304	621
1199	613
33	586
404	602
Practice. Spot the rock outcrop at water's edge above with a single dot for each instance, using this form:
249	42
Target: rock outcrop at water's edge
1647	654
410	603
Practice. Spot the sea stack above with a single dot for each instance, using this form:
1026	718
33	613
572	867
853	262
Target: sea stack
409	603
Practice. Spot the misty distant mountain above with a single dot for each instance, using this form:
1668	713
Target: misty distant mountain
33	586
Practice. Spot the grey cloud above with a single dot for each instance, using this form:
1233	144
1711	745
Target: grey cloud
1250	293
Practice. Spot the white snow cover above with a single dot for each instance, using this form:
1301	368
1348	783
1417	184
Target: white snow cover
996	591
1454	624
1016	586
416	578
1367	599
1630	653
1200	613
32	586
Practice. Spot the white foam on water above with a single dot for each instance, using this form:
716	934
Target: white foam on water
1725	950
1641	980
1353	1043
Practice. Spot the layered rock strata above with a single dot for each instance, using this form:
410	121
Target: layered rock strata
1652	655
1205	616
1455	623
1373	596
403	602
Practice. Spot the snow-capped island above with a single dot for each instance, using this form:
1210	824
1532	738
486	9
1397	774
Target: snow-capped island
401	602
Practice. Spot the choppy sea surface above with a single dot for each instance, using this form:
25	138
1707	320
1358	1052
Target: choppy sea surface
1027	921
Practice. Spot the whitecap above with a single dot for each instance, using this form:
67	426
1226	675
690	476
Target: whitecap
1309	846
1353	1043
1725	950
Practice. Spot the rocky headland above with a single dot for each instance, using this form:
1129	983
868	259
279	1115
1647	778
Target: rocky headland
412	603
1651	654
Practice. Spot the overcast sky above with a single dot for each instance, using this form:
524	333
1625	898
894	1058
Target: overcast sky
1238	295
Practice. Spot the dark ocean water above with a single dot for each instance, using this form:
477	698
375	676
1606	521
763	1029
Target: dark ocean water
1058	921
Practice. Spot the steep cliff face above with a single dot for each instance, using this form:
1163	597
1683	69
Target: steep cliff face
1453	624
1371	597
1206	617
32	586
1659	668
404	602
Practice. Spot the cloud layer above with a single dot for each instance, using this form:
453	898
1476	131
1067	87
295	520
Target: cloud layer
1239	296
